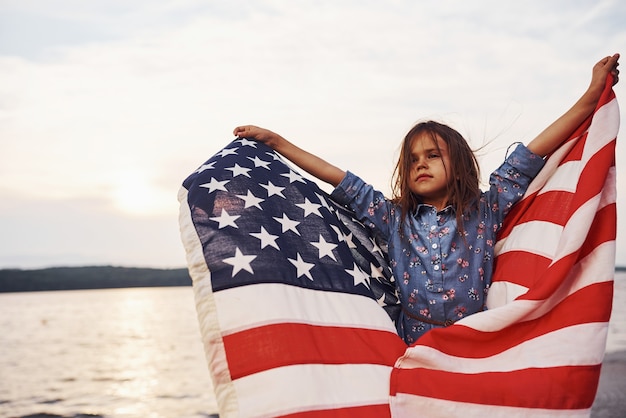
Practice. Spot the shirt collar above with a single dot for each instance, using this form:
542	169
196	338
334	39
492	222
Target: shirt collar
424	207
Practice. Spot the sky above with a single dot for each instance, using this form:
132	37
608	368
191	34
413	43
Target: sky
107	105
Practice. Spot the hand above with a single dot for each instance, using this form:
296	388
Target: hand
254	132
604	67
548	140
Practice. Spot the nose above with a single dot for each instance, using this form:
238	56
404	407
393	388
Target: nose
421	163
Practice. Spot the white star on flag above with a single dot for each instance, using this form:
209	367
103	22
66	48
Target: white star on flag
303	268
239	170
340	236
214	185
246	142
250	200
209	166
358	275
225	219
240	262
266	238
227	151
381	300
349	240
323	201
375	247
376	272
293	176
288	224
260	163
325	248
275	157
309	208
273	190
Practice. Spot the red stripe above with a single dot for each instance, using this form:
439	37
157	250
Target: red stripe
278	345
528	269
607	94
576	153
554	206
593	177
520	267
516	214
542	284
557	206
369	411
465	342
604	228
553	279
571	387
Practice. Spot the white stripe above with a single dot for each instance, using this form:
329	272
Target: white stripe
596	267
577	228
405	406
550	240
602	131
578	345
272	303
551	165
609	191
312	387
537	237
604	128
205	306
565	178
502	293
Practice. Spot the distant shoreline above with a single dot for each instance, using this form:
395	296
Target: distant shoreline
90	277
99	277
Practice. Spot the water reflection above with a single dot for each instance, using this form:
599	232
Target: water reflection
122	352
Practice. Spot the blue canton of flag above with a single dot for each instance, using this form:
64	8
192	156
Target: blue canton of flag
260	221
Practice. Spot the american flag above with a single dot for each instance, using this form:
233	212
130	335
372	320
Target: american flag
288	296
296	303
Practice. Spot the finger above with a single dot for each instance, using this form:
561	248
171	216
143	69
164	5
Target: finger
239	130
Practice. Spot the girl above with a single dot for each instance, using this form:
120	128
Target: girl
440	228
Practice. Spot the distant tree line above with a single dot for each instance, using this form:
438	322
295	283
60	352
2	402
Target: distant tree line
95	277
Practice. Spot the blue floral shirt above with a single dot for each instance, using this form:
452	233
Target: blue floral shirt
441	276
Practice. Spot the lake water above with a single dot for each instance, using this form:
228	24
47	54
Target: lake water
118	353
124	353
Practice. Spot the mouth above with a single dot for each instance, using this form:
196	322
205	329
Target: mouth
423	177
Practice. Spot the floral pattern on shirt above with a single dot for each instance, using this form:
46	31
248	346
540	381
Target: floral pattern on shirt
441	274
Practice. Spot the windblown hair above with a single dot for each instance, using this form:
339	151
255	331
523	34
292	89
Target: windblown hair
463	175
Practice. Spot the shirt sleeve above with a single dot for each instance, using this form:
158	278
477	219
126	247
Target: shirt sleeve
509	182
369	205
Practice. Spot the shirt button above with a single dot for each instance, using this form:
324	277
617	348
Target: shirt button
433	227
435	246
436	268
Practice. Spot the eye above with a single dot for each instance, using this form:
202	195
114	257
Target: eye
433	155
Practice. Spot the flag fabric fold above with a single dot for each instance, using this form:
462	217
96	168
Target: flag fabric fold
296	303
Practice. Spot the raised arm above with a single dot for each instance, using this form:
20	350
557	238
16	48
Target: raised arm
310	163
548	140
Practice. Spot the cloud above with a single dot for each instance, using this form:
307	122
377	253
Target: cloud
43	232
134	96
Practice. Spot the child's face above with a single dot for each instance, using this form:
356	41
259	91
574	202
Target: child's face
428	177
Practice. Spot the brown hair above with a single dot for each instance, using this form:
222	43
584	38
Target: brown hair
463	175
